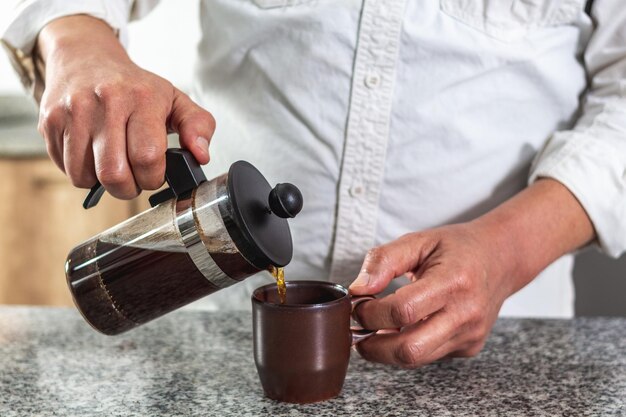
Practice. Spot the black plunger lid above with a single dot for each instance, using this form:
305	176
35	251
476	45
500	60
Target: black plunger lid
260	213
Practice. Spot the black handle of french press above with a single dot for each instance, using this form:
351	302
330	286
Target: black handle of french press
182	173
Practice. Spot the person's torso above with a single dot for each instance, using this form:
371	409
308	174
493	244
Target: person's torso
392	116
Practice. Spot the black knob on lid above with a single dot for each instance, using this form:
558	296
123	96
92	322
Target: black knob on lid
285	200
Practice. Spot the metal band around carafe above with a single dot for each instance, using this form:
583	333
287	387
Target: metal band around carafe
198	252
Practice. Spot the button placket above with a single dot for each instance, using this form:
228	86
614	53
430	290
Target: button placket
366	136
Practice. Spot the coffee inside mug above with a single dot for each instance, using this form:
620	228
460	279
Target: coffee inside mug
301	294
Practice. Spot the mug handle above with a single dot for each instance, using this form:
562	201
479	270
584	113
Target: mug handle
358	333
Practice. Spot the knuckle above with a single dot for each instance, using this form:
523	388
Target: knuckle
111	175
147	156
377	255
403	314
480	333
473	351
409	354
474	315
473	337
142	92
104	92
463	281
208	120
78	103
80	179
109	91
201	120
50	117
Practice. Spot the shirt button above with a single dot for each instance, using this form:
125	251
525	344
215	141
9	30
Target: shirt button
357	190
372	80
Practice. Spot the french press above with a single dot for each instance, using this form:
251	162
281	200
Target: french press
199	237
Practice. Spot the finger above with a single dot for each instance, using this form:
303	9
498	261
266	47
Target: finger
194	125
469	350
78	156
110	158
463	345
446	351
411	347
51	126
54	148
408	305
146	138
77	147
386	262
456	347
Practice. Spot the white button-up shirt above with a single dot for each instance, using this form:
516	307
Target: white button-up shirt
394	116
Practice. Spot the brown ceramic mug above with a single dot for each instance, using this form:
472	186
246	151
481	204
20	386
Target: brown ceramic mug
302	347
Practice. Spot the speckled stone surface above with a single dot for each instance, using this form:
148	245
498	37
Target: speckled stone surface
200	363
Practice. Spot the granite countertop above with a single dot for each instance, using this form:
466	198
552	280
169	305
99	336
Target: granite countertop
200	363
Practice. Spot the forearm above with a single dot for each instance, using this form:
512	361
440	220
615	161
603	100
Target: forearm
533	229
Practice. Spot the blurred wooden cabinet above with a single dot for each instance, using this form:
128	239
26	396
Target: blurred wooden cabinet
41	219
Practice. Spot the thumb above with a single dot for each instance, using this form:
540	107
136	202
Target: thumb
194	125
384	263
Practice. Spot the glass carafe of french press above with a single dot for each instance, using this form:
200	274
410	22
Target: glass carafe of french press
199	237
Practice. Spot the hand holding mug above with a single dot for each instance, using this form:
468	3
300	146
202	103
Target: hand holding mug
449	307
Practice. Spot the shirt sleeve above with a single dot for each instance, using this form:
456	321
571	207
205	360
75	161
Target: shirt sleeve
19	35
590	159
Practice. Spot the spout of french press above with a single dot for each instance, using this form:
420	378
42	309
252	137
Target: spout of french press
182	173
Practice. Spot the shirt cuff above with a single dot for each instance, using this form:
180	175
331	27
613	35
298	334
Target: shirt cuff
20	35
591	163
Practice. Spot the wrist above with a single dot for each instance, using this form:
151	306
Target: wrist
531	230
75	36
499	240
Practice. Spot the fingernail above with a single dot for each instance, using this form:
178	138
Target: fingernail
362	280
203	144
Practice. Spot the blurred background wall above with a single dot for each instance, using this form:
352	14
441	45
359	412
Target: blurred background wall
39	203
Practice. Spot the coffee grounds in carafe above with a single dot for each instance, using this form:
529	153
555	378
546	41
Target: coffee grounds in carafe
132	285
